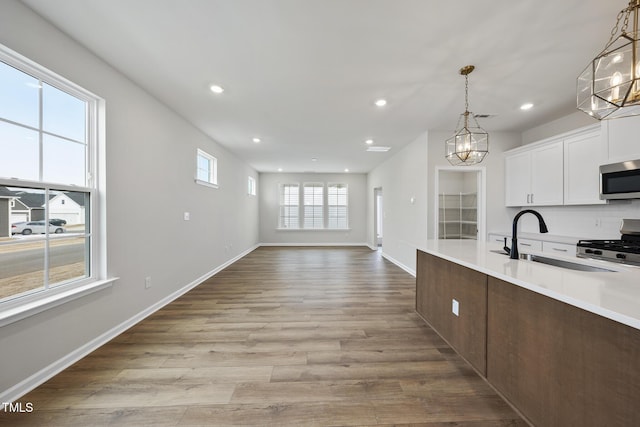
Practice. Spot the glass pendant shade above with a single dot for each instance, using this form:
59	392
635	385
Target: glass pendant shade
609	87
469	144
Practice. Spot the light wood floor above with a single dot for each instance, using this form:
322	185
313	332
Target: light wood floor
285	336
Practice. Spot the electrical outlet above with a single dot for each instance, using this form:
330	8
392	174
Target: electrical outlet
187	216
455	307
147	282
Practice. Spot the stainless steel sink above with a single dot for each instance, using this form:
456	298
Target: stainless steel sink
563	263
558	262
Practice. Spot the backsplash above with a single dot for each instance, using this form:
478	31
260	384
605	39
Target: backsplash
587	222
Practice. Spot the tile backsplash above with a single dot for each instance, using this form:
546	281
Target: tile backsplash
591	222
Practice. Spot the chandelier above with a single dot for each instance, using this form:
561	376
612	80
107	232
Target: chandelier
469	143
610	85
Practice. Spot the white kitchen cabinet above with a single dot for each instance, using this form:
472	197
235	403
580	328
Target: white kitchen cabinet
623	139
559	248
524	245
583	155
534	175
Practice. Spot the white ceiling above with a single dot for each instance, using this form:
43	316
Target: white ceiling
302	75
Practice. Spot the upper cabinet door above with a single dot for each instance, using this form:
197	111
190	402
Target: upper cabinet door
517	177
533	175
547	187
624	139
583	155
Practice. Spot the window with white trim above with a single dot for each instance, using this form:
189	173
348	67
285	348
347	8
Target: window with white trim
289	216
337	206
317	207
206	169
48	163
313	213
251	186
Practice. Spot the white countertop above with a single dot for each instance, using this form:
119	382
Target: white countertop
614	295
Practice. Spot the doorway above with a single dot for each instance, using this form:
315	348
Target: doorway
378	217
459	204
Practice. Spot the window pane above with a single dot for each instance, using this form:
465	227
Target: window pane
21	266
69	209
313	209
68	259
63	161
19	96
63	114
338	206
18	152
289	206
205	167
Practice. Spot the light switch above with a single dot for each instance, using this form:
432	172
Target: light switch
187	216
455	307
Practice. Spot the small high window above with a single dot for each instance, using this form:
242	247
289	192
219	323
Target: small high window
206	169
251	186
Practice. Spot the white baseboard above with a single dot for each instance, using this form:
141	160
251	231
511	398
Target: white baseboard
399	264
314	244
30	383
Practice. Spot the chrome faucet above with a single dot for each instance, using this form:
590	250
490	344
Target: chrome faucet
513	253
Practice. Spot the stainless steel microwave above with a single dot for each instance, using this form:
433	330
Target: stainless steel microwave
620	180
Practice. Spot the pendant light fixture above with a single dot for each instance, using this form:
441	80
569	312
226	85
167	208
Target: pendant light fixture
610	85
469	143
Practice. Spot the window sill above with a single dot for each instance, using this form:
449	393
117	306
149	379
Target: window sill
313	229
24	310
206	183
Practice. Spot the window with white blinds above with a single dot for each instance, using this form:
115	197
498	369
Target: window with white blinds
289	216
337	206
313	205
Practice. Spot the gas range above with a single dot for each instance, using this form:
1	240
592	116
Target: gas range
626	250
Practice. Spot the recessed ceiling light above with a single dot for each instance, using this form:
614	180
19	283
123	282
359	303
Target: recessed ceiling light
346	170
279	169
381	102
216	89
369	141
526	106
379	149
256	140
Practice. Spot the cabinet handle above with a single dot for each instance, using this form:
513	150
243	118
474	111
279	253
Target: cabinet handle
525	244
559	250
531	197
528	195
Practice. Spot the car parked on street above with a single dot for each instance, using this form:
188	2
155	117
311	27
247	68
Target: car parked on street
57	221
35	227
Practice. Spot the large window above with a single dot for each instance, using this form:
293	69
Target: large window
289	216
318	206
48	182
338	206
313	206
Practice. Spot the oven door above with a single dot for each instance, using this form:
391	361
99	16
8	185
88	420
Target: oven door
620	180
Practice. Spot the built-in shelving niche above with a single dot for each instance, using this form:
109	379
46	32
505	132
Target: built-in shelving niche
458	218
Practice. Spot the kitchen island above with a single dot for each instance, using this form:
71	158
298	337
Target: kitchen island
562	346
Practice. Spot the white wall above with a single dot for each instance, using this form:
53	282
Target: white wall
402	177
150	169
583	222
269	208
564	124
